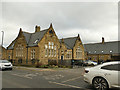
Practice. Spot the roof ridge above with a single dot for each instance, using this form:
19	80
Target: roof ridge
101	42
27	32
68	38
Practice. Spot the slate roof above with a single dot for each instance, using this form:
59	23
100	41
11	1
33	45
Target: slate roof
36	36
11	46
31	38
69	42
107	47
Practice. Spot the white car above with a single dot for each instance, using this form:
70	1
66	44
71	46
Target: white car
103	76
5	64
89	62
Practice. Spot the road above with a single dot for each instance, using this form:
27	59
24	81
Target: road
44	78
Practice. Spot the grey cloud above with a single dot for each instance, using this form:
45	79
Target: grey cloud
69	19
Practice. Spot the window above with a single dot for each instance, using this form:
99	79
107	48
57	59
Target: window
49	52
36	41
50	32
95	58
89	52
95	51
52	49
102	51
79	52
52	52
69	55
52	43
111	51
33	54
114	67
20	61
101	57
46	50
49	43
19	50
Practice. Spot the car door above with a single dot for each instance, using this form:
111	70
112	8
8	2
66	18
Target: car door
111	73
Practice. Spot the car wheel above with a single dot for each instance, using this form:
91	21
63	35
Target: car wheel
10	68
100	83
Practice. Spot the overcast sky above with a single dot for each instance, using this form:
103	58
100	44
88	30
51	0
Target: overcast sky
89	19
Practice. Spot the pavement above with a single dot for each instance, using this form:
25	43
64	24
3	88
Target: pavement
28	77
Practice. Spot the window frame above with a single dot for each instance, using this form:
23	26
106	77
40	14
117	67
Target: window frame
107	67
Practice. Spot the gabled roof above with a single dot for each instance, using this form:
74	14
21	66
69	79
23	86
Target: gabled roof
31	38
69	42
27	36
36	37
107	48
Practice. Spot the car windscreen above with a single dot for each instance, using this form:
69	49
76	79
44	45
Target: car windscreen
4	61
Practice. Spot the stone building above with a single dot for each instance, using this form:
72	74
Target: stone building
103	51
39	46
71	49
2	52
43	46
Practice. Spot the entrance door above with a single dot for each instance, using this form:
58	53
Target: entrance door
62	57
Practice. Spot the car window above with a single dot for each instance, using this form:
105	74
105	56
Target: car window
115	67
5	61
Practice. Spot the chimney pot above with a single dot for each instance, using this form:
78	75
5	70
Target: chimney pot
103	40
37	28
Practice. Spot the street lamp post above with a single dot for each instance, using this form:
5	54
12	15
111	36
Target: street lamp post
1	51
2	37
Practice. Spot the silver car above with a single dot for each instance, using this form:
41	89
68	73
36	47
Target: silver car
5	64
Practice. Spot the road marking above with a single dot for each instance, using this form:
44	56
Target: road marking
22	76
65	84
16	84
54	77
71	79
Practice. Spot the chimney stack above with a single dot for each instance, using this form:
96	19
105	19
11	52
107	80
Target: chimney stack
37	28
103	40
62	40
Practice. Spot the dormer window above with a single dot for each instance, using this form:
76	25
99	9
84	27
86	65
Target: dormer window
102	51
95	51
111	51
36	41
89	52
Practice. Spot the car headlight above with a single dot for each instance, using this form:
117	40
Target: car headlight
11	65
2	65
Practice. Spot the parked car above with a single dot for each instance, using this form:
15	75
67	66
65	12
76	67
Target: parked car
103	76
5	64
89	62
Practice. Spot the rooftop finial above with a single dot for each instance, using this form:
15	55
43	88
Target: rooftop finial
62	40
20	29
51	25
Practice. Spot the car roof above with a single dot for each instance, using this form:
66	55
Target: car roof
108	63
